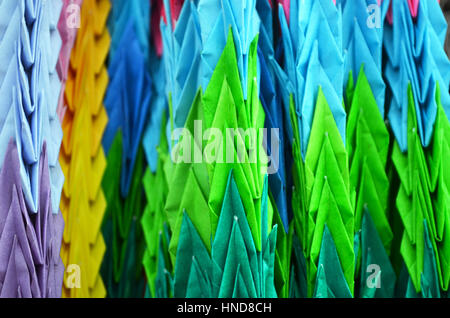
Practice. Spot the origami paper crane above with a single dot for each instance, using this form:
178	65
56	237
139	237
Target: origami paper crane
30	242
156	259
418	202
420	121
368	147
403	40
429	278
328	202
122	11
121	268
82	158
221	106
235	268
311	83
439	185
222	95
127	102
289	279
182	83
190	58
313	57
182	49
373	252
368	139
188	181
29	86
363	44
279	178
331	193
330	281
215	18
180	67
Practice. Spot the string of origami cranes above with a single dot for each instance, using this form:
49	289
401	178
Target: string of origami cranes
344	194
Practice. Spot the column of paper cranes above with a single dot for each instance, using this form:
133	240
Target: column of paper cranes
357	200
82	158
224	148
31	225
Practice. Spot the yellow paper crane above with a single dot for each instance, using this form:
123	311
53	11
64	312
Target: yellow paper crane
82	158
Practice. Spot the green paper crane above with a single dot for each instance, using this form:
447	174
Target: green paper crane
330	280
224	107
323	201
122	268
188	187
156	260
368	147
217	203
235	268
440	186
423	188
197	185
